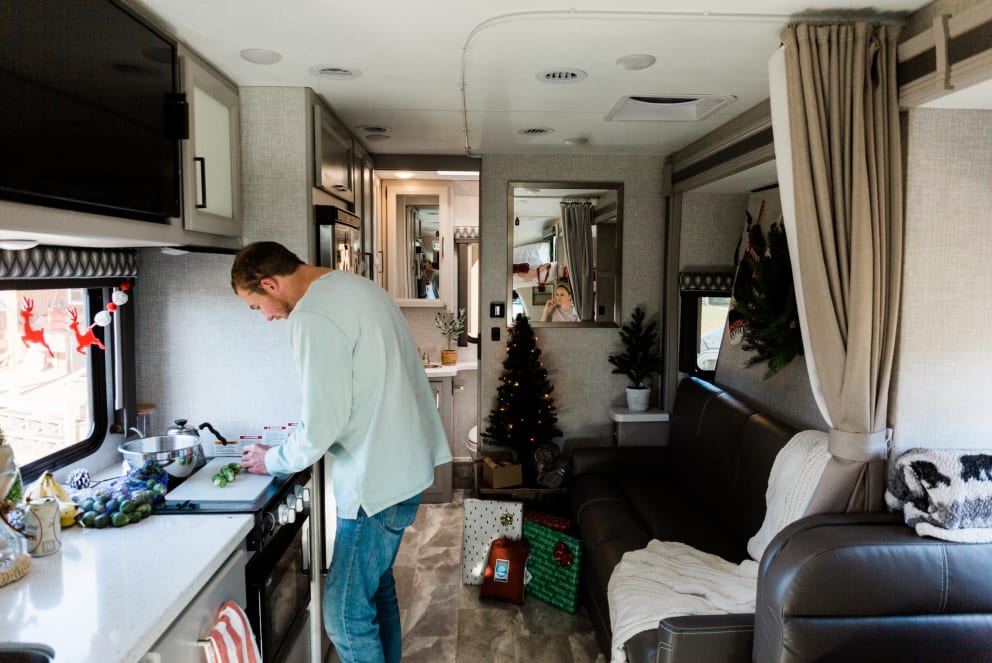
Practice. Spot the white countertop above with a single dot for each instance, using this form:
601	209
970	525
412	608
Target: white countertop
452	370
109	594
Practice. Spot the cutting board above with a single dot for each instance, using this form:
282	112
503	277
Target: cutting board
199	487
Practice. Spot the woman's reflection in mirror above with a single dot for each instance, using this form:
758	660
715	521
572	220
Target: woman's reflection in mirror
560	308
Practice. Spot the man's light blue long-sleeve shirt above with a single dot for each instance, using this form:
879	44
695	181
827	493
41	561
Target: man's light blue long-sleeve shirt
366	398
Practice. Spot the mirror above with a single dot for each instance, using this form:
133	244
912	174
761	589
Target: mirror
419	244
564	253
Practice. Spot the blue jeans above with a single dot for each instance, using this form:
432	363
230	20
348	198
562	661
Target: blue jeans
361	614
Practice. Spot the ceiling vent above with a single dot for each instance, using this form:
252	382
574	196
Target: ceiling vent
559	76
334	73
536	131
667	108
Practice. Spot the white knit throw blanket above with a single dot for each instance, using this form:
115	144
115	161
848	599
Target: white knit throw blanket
944	493
667	579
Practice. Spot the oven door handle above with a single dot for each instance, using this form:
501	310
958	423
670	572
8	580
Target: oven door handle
306	548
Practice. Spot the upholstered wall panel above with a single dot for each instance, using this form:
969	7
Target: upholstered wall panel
711	227
940	395
202	354
576	358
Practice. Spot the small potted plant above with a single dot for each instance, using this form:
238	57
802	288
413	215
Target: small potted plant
640	359
450	326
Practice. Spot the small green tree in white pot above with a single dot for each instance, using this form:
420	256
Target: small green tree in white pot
450	327
640	359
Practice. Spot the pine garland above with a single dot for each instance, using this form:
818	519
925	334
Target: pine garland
524	416
765	297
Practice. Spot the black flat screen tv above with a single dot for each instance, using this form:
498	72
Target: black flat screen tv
88	109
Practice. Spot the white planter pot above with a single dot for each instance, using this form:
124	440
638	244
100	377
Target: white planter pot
638	398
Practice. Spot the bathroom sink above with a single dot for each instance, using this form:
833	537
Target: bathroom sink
26	652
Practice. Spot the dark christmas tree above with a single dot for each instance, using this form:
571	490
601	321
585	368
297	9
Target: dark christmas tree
524	416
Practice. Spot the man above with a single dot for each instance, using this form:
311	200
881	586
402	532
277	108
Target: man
367	403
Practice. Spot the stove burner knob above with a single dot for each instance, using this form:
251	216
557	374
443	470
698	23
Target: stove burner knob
268	523
294	502
304	494
286	515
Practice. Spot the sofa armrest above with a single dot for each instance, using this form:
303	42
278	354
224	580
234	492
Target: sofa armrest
711	638
867	587
618	461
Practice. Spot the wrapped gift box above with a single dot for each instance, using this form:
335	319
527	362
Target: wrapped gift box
560	523
554	563
484	522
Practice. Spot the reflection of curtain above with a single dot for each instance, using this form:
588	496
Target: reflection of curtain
576	223
844	221
406	285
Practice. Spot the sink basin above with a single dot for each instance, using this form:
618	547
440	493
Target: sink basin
26	652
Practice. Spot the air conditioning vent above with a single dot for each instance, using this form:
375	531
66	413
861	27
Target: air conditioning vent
337	73
558	76
536	131
667	107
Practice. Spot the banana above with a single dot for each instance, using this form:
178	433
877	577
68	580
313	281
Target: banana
36	490
54	489
67	513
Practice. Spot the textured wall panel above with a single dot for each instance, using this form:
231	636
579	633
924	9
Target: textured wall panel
942	381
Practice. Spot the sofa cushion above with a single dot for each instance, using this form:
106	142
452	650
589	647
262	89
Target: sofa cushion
761	438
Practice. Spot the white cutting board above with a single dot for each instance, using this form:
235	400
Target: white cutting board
245	487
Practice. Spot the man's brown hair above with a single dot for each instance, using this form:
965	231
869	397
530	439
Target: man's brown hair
261	260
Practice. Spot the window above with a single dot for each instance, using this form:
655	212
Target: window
52	398
705	301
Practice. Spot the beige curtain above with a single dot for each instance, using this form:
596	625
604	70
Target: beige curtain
576	224
843	120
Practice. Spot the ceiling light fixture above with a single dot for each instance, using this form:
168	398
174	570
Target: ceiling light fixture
576	141
261	56
372	129
458	173
404	174
636	61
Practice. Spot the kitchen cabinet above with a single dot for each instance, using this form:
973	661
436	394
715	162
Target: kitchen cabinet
211	155
333	152
179	643
440	490
362	171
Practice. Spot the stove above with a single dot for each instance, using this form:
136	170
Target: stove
274	502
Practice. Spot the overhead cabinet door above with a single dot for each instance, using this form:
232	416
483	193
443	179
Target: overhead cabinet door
211	178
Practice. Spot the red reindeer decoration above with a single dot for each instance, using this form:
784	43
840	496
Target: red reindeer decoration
32	335
86	339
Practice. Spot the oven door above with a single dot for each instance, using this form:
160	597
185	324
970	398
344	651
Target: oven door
278	583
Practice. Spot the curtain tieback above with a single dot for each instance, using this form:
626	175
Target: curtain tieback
863	447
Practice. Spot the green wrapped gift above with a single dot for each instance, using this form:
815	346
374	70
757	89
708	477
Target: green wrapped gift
554	563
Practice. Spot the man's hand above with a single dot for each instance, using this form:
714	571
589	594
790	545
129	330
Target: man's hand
253	458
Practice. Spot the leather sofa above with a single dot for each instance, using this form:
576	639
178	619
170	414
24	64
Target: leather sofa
706	488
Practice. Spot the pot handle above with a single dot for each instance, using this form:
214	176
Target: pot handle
213	430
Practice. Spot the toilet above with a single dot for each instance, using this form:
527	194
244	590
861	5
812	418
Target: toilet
472	443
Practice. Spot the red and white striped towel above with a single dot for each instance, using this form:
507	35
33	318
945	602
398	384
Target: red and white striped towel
231	640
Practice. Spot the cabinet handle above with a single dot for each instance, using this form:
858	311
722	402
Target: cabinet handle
306	548
202	163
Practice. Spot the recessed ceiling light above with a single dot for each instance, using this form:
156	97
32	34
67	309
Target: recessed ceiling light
536	131
576	140
372	129
334	72
636	61
377	138
261	56
404	174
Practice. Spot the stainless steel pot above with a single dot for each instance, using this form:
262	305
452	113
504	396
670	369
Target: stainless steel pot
178	455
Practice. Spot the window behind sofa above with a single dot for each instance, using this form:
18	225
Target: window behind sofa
704	303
